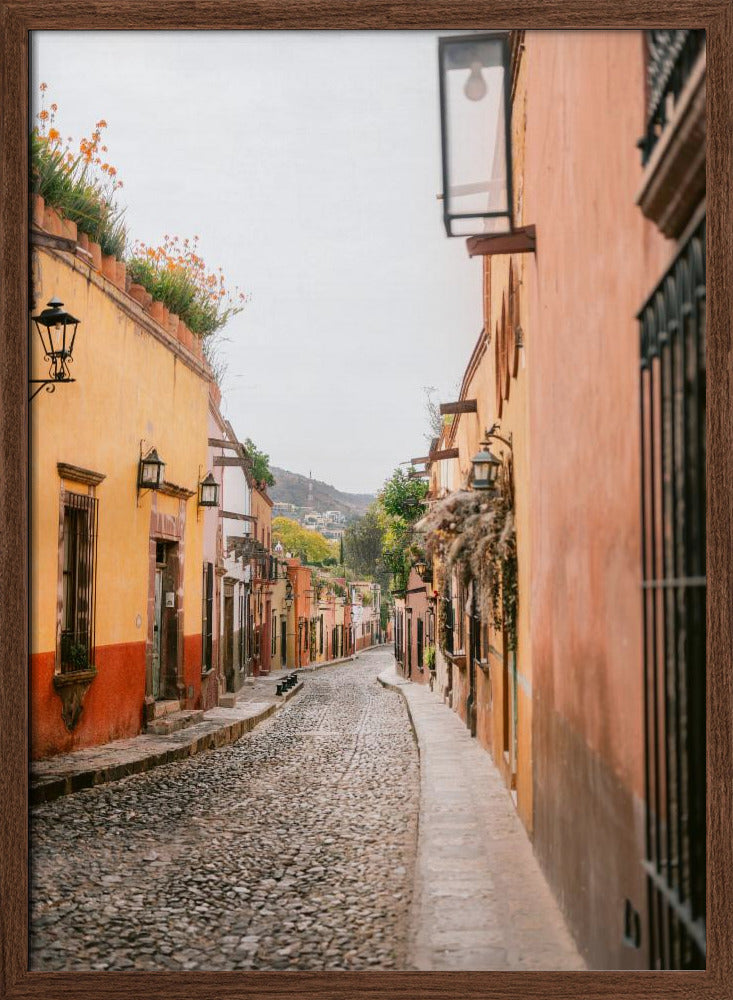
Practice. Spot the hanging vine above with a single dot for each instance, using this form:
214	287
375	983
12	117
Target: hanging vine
473	535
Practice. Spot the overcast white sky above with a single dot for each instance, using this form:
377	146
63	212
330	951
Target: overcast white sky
308	163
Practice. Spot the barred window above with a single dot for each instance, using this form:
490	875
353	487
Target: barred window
207	644
79	564
672	397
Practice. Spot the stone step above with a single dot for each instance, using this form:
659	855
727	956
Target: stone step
174	721
162	708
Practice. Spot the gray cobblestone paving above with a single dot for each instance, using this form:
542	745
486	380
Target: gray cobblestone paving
293	848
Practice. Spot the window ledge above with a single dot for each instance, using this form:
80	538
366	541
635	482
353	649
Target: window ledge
71	688
71	677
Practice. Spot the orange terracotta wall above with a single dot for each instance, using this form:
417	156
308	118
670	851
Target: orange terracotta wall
262	510
596	260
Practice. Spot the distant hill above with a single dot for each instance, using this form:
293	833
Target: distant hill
290	487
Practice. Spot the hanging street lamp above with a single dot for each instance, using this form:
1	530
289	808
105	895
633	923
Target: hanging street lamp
57	330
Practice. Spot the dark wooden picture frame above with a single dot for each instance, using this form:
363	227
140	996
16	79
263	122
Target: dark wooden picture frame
18	18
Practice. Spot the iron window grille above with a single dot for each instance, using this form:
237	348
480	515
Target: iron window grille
207	623
672	396
420	640
447	608
671	54
79	582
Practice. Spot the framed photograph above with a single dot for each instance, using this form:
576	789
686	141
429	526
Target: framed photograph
366	459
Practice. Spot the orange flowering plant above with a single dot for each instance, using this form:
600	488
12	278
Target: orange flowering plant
81	185
175	273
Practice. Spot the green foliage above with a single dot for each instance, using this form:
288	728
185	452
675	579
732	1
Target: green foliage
430	657
363	543
385	612
260	465
402	496
401	502
309	545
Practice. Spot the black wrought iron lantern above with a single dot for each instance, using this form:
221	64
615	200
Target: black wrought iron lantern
209	492
475	84
289	595
57	330
420	566
485	470
151	471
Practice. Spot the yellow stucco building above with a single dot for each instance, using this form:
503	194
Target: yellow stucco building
116	572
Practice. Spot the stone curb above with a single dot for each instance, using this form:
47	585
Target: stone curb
215	735
393	682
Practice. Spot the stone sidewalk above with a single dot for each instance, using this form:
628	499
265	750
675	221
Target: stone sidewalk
67	773
480	900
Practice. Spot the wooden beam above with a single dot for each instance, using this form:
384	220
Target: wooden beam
462	406
522	240
238	517
446	453
223	443
425	458
220	460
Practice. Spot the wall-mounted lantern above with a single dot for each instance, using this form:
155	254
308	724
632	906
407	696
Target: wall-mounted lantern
150	472
485	470
57	330
289	595
485	464
209	492
475	119
420	566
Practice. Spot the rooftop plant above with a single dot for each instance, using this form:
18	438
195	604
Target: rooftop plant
176	275
80	185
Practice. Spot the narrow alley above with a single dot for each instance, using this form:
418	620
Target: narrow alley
366	460
297	847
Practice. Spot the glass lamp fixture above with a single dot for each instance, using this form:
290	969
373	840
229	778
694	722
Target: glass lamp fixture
420	566
209	492
151	471
475	84
485	470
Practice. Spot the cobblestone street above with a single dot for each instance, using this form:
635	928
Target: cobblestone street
293	848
